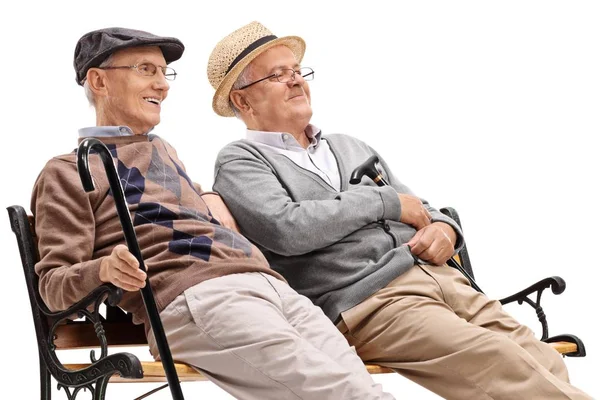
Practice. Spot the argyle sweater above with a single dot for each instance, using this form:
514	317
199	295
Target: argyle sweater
181	243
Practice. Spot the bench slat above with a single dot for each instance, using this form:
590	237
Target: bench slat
154	372
564	347
81	335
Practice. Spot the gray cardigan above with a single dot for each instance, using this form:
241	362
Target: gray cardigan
336	248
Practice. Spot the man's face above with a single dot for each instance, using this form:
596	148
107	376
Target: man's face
133	99
276	106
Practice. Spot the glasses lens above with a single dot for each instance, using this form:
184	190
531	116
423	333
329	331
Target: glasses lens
169	73
285	75
307	73
146	69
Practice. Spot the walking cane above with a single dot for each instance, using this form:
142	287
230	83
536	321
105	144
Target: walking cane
369	168
132	243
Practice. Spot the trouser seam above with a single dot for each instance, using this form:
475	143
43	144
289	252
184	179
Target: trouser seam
445	300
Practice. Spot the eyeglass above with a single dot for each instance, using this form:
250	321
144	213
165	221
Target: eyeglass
286	75
149	69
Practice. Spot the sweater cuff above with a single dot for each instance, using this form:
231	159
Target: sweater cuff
90	276
391	203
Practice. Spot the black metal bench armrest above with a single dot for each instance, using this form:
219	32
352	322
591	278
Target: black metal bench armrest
570	339
126	365
558	286
108	292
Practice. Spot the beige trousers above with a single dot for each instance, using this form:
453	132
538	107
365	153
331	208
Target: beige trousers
430	326
257	338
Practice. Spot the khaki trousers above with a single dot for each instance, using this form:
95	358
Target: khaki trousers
430	326
257	338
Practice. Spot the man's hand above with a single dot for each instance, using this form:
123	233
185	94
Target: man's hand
413	212
219	210
122	269
434	243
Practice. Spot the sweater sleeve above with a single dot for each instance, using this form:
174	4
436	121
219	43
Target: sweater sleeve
436	215
268	215
65	227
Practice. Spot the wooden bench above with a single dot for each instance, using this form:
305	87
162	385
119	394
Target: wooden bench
75	336
56	331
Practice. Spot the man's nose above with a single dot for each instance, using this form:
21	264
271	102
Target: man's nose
296	79
160	81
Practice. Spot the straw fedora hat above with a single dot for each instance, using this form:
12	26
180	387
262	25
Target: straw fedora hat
232	54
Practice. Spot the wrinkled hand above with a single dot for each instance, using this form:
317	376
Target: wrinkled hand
434	243
219	210
122	269
413	212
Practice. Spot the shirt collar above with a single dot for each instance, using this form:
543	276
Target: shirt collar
107	131
284	140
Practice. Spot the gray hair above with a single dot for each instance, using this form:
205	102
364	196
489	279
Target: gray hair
242	80
86	87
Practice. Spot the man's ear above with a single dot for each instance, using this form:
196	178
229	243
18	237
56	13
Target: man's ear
96	79
239	101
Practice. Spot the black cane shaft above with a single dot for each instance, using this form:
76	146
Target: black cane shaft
146	291
134	248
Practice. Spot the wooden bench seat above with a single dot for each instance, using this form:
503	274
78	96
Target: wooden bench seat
80	335
154	372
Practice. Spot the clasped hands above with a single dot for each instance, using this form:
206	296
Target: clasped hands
433	242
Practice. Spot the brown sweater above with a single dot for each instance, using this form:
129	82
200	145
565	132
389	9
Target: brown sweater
181	243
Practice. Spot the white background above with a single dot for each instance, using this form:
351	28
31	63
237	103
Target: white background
489	107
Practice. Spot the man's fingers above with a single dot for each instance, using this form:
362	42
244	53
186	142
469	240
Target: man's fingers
131	271
130	265
432	245
126	281
421	243
123	253
126	286
415	239
125	263
438	255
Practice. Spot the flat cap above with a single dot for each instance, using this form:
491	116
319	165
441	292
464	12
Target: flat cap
96	46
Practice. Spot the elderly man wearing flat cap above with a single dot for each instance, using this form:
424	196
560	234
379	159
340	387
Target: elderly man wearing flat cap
223	309
373	258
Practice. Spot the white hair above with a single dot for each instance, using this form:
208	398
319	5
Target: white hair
86	86
242	80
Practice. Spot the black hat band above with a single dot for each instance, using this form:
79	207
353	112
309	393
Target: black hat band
254	45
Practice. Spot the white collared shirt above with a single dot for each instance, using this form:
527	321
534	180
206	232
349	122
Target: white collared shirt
107	131
317	158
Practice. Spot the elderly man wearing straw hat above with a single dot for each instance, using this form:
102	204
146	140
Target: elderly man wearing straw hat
223	309
373	258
